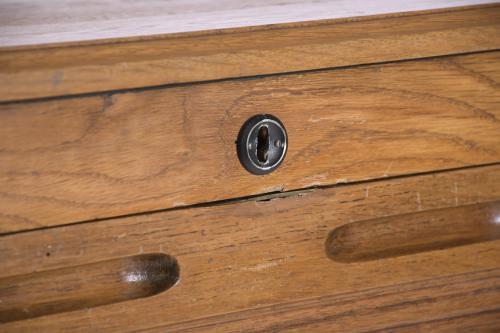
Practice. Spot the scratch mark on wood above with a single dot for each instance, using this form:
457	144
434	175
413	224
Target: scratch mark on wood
455	190
386	173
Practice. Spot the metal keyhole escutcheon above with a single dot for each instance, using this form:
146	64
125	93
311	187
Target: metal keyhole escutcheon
262	144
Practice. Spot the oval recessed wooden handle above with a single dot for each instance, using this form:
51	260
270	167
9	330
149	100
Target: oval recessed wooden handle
78	287
416	232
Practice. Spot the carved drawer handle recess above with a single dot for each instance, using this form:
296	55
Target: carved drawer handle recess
78	287
416	232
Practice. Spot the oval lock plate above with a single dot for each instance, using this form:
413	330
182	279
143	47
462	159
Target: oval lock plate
262	144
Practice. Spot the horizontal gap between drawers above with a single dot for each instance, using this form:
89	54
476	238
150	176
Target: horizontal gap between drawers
259	197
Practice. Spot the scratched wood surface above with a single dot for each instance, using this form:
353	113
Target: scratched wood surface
77	159
36	72
260	265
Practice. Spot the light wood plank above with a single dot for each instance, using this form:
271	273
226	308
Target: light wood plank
124	64
35	22
259	254
77	159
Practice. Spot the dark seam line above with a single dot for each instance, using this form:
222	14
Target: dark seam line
258	197
237	79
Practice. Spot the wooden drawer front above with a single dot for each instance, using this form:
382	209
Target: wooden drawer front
264	263
81	158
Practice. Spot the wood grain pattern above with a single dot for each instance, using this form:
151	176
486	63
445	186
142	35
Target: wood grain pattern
77	69
77	159
86	286
257	255
415	232
36	22
460	303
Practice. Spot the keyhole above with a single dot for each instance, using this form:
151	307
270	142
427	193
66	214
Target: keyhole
262	144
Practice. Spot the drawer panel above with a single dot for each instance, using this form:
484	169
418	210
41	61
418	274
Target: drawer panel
82	158
268	259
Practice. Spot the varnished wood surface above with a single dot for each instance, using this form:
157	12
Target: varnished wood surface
76	159
86	286
414	232
118	139
96	67
261	265
35	22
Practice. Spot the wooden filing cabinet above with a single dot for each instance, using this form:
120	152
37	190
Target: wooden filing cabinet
124	206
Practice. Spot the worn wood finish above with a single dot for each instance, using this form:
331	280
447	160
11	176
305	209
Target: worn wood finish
77	69
256	255
85	286
75	159
415	232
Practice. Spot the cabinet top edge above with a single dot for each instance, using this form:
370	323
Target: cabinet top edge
39	24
